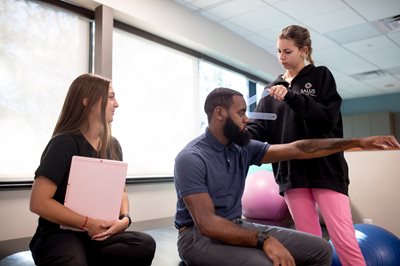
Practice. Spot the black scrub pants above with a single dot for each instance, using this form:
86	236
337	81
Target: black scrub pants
69	248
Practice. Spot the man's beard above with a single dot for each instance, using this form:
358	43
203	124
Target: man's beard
235	134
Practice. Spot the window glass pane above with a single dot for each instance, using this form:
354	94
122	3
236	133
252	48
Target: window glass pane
156	89
212	76
42	49
259	90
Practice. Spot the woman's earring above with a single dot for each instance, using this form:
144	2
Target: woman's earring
305	59
85	101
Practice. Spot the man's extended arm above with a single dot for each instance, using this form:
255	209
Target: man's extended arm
314	148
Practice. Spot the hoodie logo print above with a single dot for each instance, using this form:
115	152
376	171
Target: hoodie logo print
307	90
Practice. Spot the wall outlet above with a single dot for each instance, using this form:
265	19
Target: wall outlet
367	221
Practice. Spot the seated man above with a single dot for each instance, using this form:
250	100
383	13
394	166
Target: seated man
210	175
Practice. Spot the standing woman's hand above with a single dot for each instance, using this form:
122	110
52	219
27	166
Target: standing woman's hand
278	92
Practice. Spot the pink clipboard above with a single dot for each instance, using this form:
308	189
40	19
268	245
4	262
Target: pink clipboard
95	188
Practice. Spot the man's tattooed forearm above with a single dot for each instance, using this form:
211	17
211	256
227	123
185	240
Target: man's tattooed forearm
314	145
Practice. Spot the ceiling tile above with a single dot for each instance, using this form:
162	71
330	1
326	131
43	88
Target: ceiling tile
330	21
211	16
191	7
320	42
379	43
394	71
353	2
183	1
204	4
346	94
344	84
392	89
395	36
264	43
342	76
333	54
271	1
381	51
385	83
234	8
355	68
308	8
388	62
374	10
358	91
261	19
353	33
340	58
273	32
235	28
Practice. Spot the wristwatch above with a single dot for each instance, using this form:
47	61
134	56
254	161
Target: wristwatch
261	237
127	216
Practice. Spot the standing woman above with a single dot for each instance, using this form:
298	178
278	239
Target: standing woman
83	128
307	105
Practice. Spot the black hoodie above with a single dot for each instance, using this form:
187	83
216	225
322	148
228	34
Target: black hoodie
311	109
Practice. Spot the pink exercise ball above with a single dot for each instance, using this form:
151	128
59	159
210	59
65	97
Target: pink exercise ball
261	199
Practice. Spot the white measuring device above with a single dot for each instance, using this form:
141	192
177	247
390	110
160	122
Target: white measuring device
259	115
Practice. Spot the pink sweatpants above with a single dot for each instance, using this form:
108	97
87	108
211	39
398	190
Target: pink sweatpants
335	210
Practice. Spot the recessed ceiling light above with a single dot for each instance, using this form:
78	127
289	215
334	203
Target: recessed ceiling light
390	85
370	75
388	24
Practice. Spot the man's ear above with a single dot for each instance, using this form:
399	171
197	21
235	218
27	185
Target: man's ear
219	113
85	101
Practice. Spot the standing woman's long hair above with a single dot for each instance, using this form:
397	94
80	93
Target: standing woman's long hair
74	113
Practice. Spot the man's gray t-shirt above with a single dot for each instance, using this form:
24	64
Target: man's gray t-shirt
206	165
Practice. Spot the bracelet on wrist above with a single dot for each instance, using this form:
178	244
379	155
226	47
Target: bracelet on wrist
122	216
84	223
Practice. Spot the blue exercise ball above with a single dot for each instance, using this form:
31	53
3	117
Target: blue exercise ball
379	246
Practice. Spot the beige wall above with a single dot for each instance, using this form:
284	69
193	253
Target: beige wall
375	181
147	202
374	187
370	124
